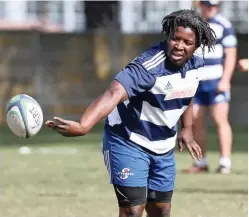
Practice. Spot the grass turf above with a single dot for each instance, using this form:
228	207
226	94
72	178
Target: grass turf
70	179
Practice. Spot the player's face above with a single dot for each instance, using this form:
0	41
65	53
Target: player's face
205	11
181	46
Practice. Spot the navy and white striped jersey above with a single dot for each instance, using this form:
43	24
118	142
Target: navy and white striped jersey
214	60
158	95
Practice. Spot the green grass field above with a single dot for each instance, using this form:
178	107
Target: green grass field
66	177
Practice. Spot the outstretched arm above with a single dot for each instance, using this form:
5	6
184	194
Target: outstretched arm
133	79
98	110
103	105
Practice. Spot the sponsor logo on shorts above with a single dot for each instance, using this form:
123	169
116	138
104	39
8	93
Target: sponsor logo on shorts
125	173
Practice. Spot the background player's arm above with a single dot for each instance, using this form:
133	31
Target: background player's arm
229	43
98	110
243	65
229	63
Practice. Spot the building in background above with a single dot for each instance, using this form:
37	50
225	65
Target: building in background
146	16
114	32
133	16
51	16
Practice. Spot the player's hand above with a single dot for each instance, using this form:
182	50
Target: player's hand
223	86
243	65
65	127
185	138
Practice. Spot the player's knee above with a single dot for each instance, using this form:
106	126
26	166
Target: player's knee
134	211
162	210
159	203
165	211
220	121
219	114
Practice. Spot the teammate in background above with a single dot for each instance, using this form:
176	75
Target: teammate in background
143	105
214	89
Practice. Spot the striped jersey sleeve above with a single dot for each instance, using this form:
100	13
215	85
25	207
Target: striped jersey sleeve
135	78
229	38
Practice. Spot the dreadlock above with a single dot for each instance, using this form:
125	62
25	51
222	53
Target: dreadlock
205	36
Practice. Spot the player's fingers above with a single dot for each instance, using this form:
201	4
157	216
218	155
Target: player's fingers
191	152
64	127
61	131
51	124
199	151
61	120
218	90
64	133
196	151
180	145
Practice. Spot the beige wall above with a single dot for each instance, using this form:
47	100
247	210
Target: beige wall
66	72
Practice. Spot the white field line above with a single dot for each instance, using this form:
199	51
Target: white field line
25	150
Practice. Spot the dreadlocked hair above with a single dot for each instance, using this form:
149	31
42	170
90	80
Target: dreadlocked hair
205	36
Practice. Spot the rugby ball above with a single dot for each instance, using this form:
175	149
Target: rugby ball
24	116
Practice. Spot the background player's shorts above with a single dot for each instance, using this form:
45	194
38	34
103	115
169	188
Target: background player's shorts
211	97
130	165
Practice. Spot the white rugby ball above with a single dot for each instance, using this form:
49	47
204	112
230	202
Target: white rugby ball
24	116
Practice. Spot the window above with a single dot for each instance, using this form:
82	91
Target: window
2	8
146	16
79	16
56	12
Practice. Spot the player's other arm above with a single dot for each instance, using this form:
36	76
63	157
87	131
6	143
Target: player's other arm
185	137
187	117
97	110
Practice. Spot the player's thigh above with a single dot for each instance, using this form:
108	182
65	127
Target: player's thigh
220	107
128	168
199	114
162	174
131	200
161	185
201	101
219	112
201	98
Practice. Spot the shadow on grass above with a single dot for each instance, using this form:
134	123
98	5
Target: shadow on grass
49	137
212	191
